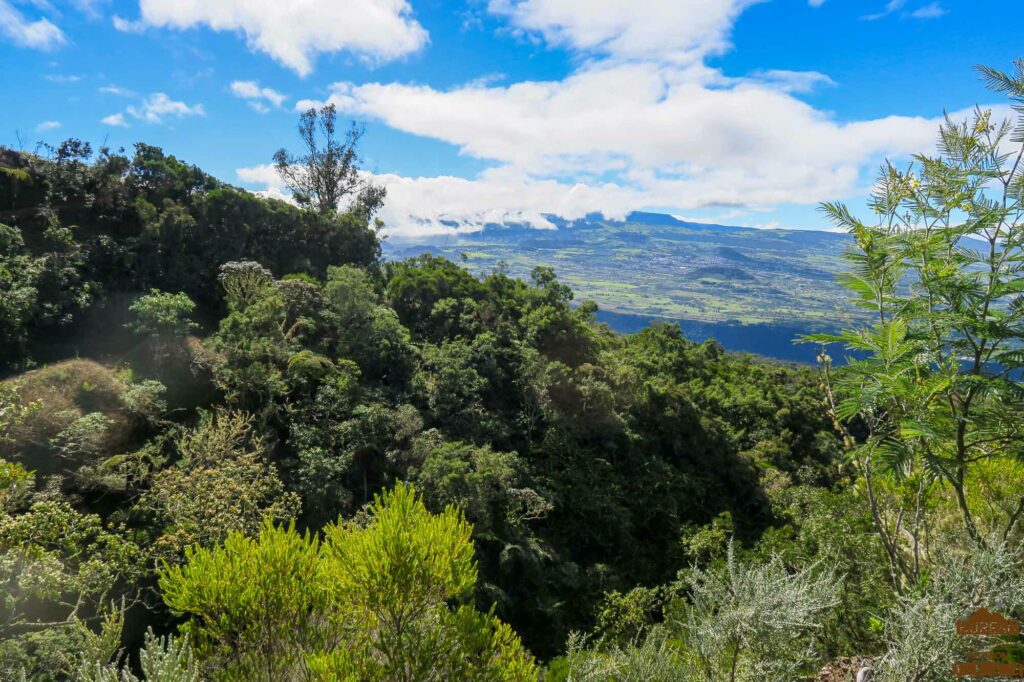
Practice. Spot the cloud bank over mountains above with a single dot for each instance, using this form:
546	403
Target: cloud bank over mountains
643	121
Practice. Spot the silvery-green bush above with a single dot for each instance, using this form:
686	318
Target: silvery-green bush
162	659
921	630
742	621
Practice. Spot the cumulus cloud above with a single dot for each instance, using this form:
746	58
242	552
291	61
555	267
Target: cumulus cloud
116	120
677	31
633	118
41	34
418	206
293	33
155	109
447	204
642	122
158	106
260	99
437	205
47	125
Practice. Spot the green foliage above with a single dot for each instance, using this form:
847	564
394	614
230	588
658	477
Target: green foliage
921	629
58	651
13	410
486	485
254	603
145	399
41	287
83	438
16	483
244	283
585	466
826	527
160	314
940	269
625	619
144	221
60	568
328	172
658	658
371	602
222	484
162	659
741	620
754	621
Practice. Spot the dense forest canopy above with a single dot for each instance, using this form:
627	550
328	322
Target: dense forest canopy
237	444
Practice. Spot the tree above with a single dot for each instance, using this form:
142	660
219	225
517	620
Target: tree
223	483
940	271
162	317
244	283
255	605
327	174
378	599
60	569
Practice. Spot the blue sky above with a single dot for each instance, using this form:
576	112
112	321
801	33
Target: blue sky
735	111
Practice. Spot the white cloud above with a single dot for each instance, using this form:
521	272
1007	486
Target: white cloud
933	10
264	174
658	120
438	205
435	205
444	204
47	125
307	104
40	34
117	91
158	106
62	78
680	30
930	11
294	32
155	108
793	81
89	7
890	7
258	97
127	26
116	120
665	139
642	122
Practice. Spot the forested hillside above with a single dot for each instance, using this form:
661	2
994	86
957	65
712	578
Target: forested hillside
238	445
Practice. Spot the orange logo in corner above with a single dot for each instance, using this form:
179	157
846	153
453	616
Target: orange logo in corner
985	622
995	663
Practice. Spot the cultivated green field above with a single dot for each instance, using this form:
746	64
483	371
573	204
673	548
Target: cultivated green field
658	266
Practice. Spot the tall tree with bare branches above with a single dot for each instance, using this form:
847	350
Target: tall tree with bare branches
328	171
